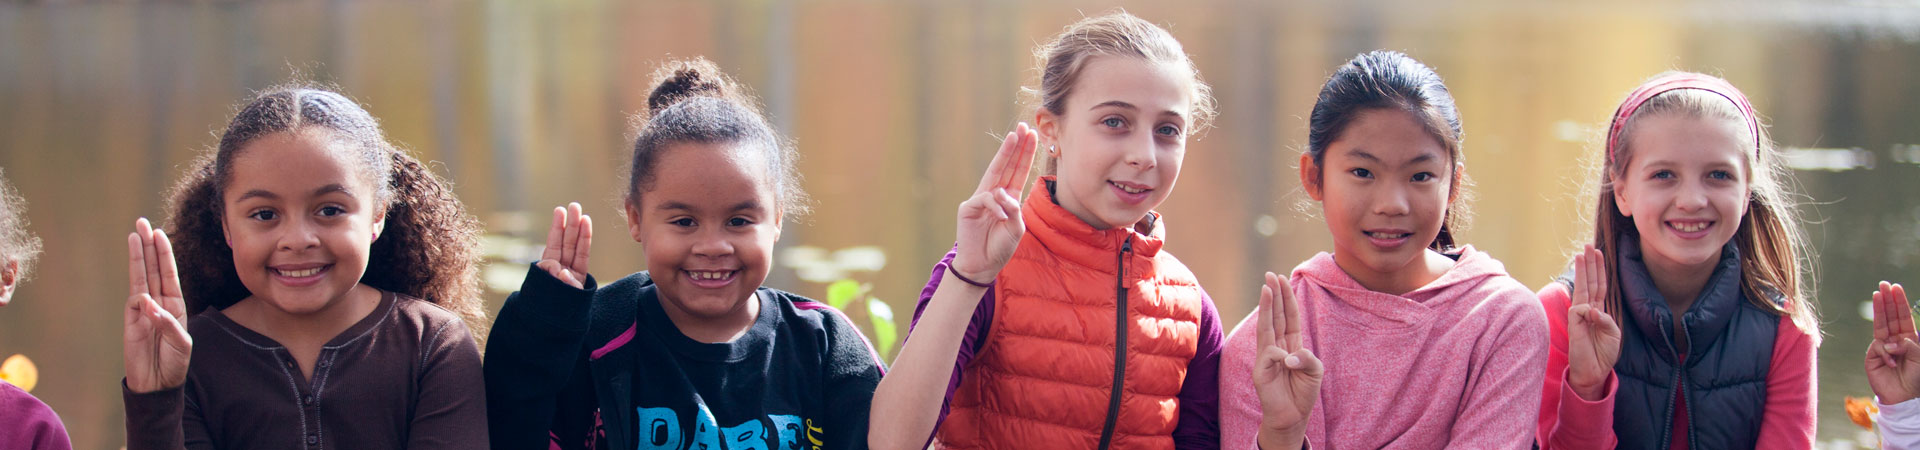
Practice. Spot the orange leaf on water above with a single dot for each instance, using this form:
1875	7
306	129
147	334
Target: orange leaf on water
19	371
1861	410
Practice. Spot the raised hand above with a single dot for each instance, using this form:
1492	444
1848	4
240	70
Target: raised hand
567	244
157	346
1593	337
1893	359
990	227
1286	374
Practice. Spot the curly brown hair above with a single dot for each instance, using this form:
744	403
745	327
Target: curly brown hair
16	243
428	249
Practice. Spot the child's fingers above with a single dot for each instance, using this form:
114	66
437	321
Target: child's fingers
1266	335
1897	311
993	206
1877	352
1009	155
1291	304
996	173
554	234
1583	278
1908	350
1009	206
1023	158
1012	211
570	243
559	272
135	309
169	274
1895	347
152	258
1882	316
1600	316
1271	360
169	269
976	206
1017	139
1596	271
136	266
1304	361
1883	307
1278	313
170	329
585	246
1897	296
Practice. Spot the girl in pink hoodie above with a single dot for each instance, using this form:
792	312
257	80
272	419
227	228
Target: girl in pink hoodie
1397	339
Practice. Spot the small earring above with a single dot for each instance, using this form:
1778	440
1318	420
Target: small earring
1053	151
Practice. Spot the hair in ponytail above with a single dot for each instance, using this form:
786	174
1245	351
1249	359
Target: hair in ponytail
693	102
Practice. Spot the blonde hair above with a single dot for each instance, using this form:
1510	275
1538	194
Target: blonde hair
16	243
1770	238
1114	34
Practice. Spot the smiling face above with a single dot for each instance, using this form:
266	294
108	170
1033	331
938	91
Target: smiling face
1384	185
301	219
1120	139
1684	186
708	221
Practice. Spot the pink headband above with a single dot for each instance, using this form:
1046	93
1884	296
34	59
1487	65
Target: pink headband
1677	81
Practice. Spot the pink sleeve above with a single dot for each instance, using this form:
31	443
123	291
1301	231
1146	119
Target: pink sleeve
1239	403
1585	423
1788	420
1566	420
1503	403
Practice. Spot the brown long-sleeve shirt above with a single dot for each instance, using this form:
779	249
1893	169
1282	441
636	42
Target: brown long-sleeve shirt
407	376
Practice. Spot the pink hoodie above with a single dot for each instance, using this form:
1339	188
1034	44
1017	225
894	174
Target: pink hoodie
1454	364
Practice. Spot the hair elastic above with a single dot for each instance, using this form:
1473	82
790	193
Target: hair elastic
964	279
1676	81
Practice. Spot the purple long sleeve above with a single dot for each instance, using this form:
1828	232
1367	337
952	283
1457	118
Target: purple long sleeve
29	424
1199	426
969	344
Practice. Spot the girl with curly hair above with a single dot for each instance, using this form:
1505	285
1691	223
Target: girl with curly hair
331	282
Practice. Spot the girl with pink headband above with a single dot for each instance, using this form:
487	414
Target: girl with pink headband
1687	321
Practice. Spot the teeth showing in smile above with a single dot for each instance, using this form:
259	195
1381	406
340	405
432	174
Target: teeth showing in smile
705	275
300	273
1690	227
1387	235
1130	190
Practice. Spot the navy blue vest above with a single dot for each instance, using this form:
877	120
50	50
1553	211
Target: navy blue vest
1724	376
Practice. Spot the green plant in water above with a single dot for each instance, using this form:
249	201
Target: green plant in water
880	323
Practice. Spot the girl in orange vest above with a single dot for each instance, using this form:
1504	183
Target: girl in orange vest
1060	322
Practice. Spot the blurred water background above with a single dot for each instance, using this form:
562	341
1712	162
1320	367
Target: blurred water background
896	105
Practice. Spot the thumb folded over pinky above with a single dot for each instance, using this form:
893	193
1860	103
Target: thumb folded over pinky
1304	360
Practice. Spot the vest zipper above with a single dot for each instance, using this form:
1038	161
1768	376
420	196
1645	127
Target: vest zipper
1679	386
1119	345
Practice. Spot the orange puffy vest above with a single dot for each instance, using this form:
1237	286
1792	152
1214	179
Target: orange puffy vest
1045	377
